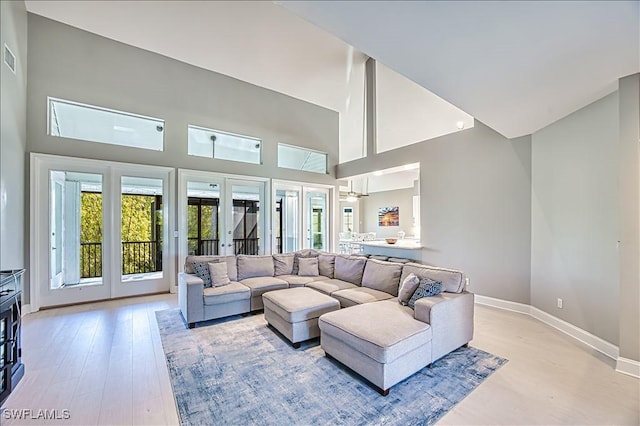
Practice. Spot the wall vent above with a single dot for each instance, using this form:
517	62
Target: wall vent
9	59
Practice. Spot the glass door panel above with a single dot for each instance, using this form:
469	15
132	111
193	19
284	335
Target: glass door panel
203	218
316	216
141	228
286	222
76	224
244	234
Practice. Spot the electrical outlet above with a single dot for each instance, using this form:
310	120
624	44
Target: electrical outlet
559	303
467	282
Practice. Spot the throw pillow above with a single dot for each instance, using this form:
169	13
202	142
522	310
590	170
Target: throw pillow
202	271
407	288
427	288
296	260
219	274
308	267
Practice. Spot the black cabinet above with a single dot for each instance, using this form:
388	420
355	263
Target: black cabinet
11	367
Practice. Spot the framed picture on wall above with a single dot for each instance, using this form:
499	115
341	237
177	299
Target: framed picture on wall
389	216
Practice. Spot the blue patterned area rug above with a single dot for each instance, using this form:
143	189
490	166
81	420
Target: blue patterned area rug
241	371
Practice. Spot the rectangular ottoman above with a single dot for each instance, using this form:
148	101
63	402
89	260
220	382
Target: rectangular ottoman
294	312
381	341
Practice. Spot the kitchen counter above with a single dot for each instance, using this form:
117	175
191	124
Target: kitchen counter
406	248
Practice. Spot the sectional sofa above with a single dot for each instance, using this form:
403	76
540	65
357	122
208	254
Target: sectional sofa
372	333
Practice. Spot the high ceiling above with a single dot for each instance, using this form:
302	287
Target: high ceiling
516	66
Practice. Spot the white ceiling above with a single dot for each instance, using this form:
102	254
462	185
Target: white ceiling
516	66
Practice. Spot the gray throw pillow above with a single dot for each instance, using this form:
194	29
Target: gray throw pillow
202	271
219	274
407	288
308	267
301	255
326	265
283	264
427	288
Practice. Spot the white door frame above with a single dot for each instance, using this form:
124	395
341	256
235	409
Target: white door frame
39	256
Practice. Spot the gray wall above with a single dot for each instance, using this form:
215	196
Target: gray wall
72	64
575	220
403	198
475	205
13	139
629	235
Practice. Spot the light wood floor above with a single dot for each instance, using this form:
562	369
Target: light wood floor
104	363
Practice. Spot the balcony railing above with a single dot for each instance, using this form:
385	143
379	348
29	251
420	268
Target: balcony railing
138	257
246	245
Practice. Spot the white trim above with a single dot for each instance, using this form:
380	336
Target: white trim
577	333
571	330
628	366
26	309
503	304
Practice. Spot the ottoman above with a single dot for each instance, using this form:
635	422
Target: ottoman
294	312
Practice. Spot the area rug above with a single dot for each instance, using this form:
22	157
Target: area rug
241	371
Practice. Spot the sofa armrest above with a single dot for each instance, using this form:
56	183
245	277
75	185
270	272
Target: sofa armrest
451	318
191	297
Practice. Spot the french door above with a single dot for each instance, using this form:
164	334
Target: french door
99	230
301	217
221	215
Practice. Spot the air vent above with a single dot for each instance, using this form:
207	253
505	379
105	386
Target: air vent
9	59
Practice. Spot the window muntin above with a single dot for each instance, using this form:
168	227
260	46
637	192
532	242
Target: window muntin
221	145
297	158
74	120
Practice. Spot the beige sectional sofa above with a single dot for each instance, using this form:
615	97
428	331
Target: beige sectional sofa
369	332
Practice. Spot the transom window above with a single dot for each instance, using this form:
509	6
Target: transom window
221	145
91	123
297	158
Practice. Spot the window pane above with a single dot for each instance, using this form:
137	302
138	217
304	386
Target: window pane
223	146
90	123
293	157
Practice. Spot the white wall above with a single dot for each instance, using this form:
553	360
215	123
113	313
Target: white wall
574	219
475	205
403	198
13	138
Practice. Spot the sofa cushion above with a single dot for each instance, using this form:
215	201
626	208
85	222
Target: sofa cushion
254	266
283	264
296	280
427	288
201	269
378	257
407	288
308	267
219	274
382	330
231	292
301	254
299	304
326	264
329	286
359	295
350	268
259	285
383	276
231	264
452	281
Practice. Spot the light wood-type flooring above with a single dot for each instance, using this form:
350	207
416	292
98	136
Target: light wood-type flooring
104	363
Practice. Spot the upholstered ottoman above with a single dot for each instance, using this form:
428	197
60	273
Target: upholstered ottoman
294	312
381	341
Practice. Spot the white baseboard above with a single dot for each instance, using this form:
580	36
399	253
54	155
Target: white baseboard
571	330
628	366
577	333
26	309
503	304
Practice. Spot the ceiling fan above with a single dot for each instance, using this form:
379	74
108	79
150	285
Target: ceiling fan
352	196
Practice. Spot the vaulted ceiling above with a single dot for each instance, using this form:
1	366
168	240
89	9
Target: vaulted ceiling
516	66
